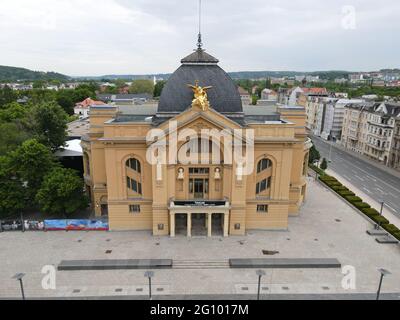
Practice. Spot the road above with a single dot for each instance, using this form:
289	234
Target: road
378	184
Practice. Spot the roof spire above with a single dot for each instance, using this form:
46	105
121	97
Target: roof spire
199	42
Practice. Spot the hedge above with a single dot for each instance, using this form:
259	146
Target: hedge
370	212
391	228
397	235
317	170
346	193
353	199
380	220
361	205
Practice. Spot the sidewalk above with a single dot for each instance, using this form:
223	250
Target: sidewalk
394	219
361	157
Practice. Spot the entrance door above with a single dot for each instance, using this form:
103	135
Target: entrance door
198	188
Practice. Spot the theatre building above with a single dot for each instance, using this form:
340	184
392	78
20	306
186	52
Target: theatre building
192	198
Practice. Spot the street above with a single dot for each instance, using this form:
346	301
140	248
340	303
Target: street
378	184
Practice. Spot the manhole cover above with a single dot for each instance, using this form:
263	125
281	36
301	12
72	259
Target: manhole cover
118	290
269	253
76	291
139	289
160	289
315	239
108	251
245	288
265	288
338	220
285	288
325	288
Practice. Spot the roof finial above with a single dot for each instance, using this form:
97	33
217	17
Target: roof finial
199	42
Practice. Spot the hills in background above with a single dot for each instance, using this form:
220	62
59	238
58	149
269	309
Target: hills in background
21	74
15	74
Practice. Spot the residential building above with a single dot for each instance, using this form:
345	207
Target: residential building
82	108
394	160
355	126
381	128
127	178
244	95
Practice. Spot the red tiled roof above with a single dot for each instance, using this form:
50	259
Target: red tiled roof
89	102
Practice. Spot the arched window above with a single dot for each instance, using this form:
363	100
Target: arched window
133	177
263	164
264	177
134	164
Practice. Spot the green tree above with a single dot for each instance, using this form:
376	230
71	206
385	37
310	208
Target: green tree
12	192
324	164
142	86
50	124
11	136
7	95
61	192
314	155
28	164
12	111
158	88
65	99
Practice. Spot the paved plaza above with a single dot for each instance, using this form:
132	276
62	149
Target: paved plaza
326	228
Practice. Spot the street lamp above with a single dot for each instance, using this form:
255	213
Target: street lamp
330	153
149	275
378	225
260	273
19	277
383	273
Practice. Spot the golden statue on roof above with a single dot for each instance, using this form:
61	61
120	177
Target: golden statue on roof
200	96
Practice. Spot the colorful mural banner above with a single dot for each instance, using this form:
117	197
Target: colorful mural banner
76	225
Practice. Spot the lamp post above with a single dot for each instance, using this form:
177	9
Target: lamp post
260	273
149	275
378	225
383	273
330	153
19	277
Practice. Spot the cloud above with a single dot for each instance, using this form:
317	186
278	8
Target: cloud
95	37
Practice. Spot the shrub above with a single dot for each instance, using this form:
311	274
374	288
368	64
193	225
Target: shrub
370	212
380	220
353	199
317	170
397	235
328	178
346	193
340	188
391	228
361	205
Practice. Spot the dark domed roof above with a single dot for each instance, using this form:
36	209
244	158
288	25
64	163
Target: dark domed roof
177	96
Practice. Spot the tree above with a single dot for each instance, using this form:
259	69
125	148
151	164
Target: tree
61	192
50	124
11	136
7	95
12	111
314	155
158	88
28	164
11	191
324	164
65	99
142	86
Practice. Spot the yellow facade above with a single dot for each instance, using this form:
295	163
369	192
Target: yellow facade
109	145
170	197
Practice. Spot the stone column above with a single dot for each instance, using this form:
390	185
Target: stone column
172	224
189	224
226	224
209	231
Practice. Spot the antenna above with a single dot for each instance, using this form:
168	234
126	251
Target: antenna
199	43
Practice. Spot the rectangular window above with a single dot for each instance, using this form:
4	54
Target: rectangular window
128	182
199	170
134	208
134	185
262	208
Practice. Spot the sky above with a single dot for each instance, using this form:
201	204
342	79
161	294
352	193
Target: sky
99	37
